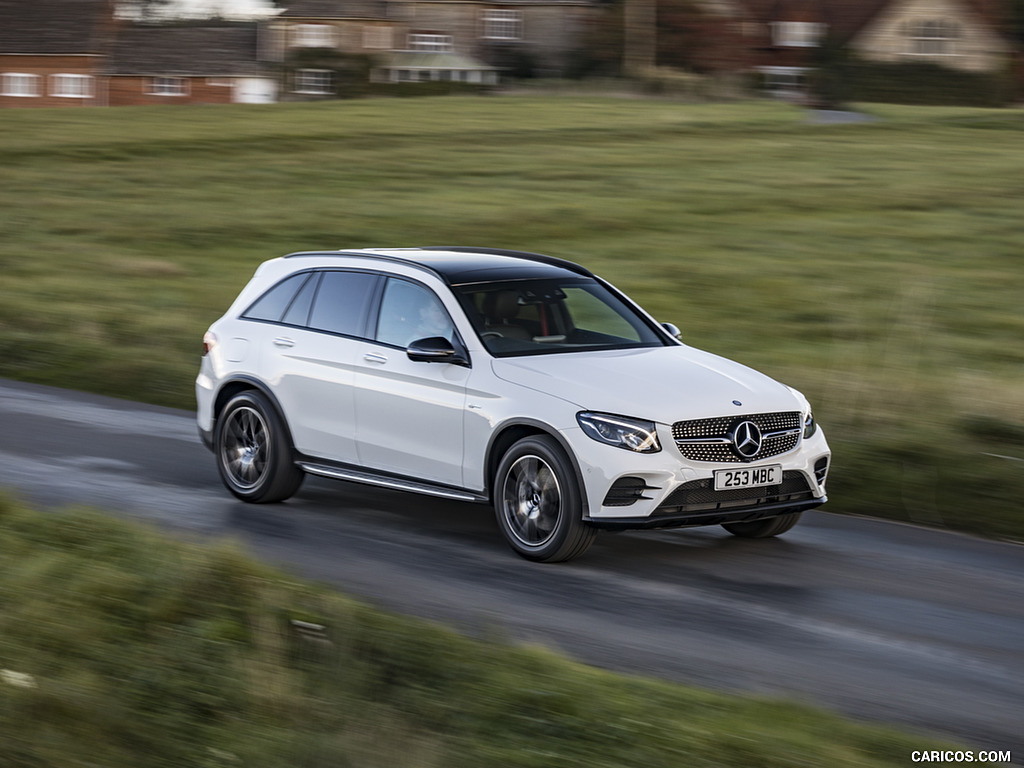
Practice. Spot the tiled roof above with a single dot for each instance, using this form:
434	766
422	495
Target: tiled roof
434	60
845	18
188	50
54	26
335	9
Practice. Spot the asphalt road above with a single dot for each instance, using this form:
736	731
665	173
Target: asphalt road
919	628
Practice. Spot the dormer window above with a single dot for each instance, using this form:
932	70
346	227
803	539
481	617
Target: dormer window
932	37
797	34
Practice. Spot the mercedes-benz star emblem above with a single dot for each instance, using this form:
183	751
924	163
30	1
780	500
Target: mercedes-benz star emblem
746	437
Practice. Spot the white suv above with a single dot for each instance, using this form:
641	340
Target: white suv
507	378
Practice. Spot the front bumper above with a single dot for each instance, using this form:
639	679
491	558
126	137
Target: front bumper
665	490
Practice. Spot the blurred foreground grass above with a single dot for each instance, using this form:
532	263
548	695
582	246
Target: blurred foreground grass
876	266
121	647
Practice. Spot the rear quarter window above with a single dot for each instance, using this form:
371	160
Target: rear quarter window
272	305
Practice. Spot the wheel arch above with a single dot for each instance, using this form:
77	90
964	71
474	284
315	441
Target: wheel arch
242	383
509	434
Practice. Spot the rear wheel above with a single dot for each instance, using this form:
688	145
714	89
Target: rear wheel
538	503
763	529
253	452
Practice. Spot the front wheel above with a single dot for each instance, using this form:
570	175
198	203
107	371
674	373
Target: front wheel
538	503
254	455
763	529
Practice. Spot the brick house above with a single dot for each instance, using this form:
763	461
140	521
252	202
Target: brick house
187	64
52	52
417	40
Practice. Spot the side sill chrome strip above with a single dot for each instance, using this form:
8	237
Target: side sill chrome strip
355	476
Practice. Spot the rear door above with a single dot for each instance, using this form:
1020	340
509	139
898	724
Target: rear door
309	361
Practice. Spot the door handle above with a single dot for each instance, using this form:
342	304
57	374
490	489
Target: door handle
284	341
372	357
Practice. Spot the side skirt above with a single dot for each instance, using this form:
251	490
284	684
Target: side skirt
390	481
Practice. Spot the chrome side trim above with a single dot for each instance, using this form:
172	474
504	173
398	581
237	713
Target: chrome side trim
368	478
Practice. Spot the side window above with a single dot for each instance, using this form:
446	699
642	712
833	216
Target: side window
272	304
298	311
409	312
341	302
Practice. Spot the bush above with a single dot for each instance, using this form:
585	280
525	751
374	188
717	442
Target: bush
922	83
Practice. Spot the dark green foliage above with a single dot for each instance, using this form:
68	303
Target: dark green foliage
921	83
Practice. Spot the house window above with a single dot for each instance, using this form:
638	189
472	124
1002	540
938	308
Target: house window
377	37
430	42
313	36
314	81
503	25
784	80
20	84
932	38
797	34
168	86
71	86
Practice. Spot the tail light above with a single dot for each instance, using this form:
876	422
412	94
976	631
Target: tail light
209	342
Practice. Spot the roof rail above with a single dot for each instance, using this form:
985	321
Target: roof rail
370	255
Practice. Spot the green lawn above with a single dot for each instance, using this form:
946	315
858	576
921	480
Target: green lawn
124	649
875	266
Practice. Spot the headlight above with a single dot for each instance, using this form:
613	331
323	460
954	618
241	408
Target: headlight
631	434
810	426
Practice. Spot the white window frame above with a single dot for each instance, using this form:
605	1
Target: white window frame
423	41
21	84
314	36
932	37
797	34
68	85
316	82
785	79
503	24
168	86
378	38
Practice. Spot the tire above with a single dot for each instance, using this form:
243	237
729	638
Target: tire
538	503
763	529
254	455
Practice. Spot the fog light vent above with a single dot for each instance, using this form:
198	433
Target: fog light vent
821	470
626	491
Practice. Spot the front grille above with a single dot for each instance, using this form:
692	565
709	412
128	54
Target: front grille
708	439
701	496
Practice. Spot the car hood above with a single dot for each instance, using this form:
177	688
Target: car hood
663	384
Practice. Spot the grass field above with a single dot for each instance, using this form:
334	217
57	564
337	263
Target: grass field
124	649
877	266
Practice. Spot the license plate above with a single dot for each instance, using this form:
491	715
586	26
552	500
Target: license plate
747	477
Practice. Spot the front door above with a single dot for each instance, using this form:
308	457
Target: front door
409	415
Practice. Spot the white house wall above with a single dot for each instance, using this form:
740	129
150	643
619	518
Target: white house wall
976	49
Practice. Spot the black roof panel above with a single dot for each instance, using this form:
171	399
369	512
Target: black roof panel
458	265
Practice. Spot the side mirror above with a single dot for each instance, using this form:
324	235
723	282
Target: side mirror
435	350
672	331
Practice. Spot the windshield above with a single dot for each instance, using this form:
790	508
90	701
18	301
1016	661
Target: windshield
531	317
